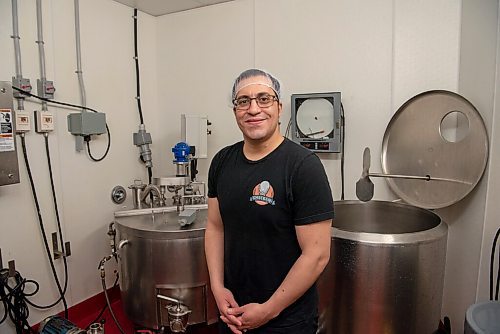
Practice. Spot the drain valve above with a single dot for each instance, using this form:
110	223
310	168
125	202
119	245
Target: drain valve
178	315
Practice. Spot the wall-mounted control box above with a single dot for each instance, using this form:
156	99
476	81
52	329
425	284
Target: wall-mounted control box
194	132
87	123
9	167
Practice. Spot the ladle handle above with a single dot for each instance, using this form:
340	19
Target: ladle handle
415	177
366	162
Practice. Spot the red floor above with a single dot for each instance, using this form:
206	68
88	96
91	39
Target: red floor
85	313
83	321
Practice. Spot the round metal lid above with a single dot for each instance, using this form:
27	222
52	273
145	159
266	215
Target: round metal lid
438	134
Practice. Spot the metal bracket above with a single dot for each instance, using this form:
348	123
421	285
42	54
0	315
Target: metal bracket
55	248
12	268
11	264
67	248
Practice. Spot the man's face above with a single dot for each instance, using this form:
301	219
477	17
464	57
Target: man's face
257	123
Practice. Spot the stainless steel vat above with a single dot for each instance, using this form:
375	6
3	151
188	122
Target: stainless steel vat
158	256
386	270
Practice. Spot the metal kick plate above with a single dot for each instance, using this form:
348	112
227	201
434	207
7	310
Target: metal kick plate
9	168
415	144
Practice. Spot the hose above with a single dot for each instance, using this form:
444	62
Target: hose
103	281
102	309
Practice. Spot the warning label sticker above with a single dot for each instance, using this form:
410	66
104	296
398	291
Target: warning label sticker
6	131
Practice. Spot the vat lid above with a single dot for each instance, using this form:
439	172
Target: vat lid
162	225
438	134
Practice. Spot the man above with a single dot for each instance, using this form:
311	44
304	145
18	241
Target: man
270	210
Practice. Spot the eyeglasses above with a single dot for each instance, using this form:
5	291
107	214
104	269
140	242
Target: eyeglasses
263	100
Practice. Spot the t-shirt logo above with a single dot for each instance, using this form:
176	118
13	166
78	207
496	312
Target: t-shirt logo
263	194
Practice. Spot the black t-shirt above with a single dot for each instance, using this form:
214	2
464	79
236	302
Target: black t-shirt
260	203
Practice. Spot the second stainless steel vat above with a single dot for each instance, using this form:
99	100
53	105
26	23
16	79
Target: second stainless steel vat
386	270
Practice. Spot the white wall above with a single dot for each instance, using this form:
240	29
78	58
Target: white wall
377	54
83	187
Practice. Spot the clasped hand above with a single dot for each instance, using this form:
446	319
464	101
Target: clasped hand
240	318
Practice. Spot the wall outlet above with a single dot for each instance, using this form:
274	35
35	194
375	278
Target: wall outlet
44	121
23	121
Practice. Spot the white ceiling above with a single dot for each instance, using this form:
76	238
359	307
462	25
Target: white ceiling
162	7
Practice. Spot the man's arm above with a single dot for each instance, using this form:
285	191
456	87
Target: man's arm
314	240
214	245
214	252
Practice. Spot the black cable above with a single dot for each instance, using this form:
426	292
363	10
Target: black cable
58	220
150	174
42	228
492	263
137	74
15	301
342	122
138	91
52	101
87	139
194	169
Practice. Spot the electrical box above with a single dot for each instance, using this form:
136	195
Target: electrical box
316	122
87	123
22	83
194	132
44	121
23	122
9	167
45	88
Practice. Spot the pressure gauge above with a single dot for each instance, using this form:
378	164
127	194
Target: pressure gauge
316	121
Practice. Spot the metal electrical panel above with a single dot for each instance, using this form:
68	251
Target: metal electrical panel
9	168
